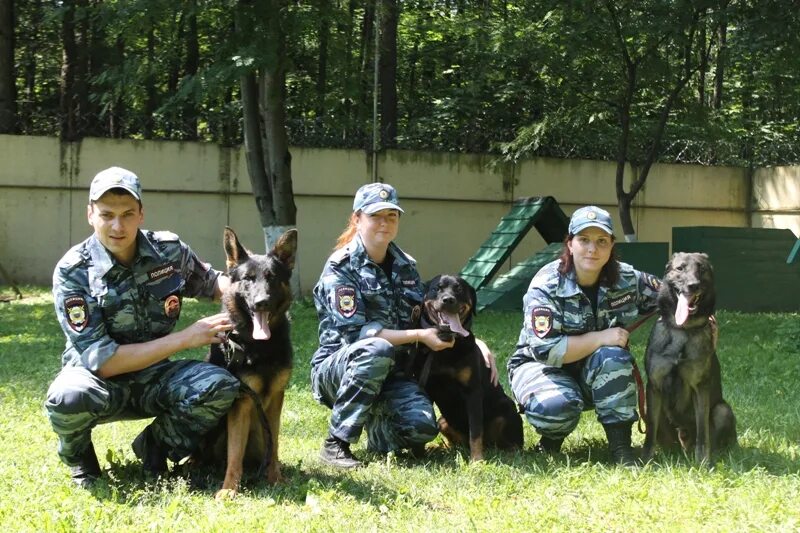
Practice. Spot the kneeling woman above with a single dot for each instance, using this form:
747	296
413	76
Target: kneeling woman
365	299
572	351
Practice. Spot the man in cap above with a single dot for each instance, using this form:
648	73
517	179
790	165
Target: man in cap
118	296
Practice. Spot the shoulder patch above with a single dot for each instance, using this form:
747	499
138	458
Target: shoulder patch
346	300
541	321
652	282
76	311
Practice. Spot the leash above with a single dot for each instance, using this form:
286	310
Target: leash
234	357
637	375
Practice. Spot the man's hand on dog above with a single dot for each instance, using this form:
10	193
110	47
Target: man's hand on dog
489	360
207	330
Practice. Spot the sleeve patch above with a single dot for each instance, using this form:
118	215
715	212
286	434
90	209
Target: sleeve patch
346	300
77	312
652	282
542	321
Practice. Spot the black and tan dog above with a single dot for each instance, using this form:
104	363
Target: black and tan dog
684	386
259	352
472	409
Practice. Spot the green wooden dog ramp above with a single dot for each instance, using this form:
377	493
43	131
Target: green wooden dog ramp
542	213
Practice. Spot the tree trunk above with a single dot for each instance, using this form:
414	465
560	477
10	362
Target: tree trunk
81	80
118	111
254	150
274	108
722	50
192	65
388	72
349	89
69	129
151	96
365	80
624	200
30	52
323	34
8	91
269	162
701	72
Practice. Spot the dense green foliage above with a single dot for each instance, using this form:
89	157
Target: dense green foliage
528	77
755	487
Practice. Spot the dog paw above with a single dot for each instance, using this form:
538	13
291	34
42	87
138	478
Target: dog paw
225	494
274	477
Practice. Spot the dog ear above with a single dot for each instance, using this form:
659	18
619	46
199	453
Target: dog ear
433	282
286	248
235	253
473	296
667	267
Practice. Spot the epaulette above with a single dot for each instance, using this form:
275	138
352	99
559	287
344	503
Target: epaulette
409	257
76	256
339	255
162	236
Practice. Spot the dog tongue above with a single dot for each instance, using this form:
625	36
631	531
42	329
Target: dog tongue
454	321
261	325
682	310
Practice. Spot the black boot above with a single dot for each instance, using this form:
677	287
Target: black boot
548	445
150	452
87	471
619	443
336	452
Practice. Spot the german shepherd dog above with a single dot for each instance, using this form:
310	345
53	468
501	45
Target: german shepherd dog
259	352
456	378
684	386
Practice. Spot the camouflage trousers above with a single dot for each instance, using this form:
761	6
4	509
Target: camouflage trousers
554	398
360	384
186	397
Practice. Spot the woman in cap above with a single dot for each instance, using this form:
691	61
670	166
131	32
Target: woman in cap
365	299
572	351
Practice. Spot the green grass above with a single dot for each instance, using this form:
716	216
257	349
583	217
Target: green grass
756	486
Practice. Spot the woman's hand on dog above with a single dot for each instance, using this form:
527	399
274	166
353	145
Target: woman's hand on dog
207	330
430	338
614	337
489	360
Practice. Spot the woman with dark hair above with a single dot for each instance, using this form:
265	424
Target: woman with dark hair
366	299
572	351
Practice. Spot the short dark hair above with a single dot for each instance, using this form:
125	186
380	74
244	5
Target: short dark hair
609	274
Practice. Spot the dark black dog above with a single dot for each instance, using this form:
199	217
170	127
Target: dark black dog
259	352
684	386
456	378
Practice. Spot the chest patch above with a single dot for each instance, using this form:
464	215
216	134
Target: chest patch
620	301
346	301
541	321
160	272
77	312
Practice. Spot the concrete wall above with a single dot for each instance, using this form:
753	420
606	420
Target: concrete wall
452	201
776	198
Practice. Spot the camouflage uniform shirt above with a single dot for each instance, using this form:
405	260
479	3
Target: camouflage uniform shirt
102	304
555	307
356	300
